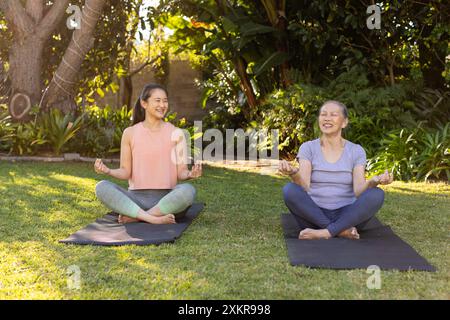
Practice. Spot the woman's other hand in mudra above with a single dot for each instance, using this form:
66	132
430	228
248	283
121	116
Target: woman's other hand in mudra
196	171
100	167
286	168
384	179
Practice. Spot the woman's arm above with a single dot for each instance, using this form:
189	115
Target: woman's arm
183	172
124	172
301	175
360	184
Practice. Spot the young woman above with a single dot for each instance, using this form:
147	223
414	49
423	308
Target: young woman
329	195
153	158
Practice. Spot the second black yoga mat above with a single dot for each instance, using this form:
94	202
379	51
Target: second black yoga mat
106	231
378	245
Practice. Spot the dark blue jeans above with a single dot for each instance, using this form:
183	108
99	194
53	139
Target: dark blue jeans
309	215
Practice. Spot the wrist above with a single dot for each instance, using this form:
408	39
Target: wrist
294	173
375	180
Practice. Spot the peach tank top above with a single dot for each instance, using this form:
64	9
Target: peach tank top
152	165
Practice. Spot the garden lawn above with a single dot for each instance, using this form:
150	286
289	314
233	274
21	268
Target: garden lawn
234	250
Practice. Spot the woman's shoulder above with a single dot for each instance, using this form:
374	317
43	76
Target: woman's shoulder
129	130
170	126
310	143
354	147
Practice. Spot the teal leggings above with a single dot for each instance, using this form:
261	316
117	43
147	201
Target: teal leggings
128	202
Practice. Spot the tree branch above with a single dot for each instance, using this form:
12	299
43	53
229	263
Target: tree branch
35	9
52	18
16	15
139	69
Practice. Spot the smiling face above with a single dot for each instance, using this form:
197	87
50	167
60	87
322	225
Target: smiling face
332	119
156	105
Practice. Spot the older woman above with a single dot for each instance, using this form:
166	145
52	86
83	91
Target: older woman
329	195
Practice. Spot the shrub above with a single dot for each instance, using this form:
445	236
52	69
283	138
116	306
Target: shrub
433	159
415	154
101	131
6	129
57	128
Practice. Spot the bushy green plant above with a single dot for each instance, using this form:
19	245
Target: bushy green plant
397	154
433	159
27	139
417	153
58	128
6	129
372	111
20	138
293	112
101	131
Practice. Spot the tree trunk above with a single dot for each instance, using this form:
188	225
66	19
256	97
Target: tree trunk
390	68
25	60
125	92
60	92
31	29
246	87
276	13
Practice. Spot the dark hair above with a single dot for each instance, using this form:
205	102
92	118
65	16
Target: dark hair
138	111
343	107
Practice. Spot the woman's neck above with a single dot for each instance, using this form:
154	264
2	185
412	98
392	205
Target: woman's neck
334	141
153	123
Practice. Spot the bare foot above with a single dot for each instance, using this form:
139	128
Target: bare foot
350	233
167	219
150	218
309	234
126	219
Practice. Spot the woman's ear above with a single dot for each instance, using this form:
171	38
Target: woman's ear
143	104
345	124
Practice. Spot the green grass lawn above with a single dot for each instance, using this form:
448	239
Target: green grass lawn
234	250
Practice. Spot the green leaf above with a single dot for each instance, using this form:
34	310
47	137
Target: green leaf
251	29
229	26
271	61
100	92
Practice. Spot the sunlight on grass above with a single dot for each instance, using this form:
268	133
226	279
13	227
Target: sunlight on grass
234	250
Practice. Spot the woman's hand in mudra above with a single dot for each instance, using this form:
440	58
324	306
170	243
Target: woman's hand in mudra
100	167
385	178
286	169
196	171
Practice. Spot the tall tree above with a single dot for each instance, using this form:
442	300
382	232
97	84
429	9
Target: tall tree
60	92
31	26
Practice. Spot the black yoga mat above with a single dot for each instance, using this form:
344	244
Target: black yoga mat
378	245
106	231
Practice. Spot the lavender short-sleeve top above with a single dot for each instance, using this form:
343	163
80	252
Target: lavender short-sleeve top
332	183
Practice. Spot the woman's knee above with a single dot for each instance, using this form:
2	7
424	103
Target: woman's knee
101	187
376	196
291	191
188	190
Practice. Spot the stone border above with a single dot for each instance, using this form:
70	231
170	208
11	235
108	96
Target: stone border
76	157
66	157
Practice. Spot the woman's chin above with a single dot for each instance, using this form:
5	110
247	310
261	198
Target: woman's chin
329	131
